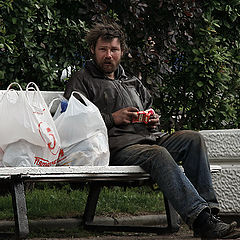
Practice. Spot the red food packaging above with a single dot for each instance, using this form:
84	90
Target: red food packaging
143	116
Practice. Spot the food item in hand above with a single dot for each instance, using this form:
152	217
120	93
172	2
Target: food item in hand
143	116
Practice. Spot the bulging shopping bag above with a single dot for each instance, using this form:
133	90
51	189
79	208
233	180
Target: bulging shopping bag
28	133
83	134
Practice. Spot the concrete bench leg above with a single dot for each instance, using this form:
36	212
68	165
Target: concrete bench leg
172	216
92	200
20	210
89	224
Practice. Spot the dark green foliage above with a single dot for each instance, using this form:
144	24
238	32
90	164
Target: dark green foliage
38	40
185	52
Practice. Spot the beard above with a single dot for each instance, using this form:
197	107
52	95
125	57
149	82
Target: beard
107	66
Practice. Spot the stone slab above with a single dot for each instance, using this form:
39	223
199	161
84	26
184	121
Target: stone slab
227	186
224	150
223	145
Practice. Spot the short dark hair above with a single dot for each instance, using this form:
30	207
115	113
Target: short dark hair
106	31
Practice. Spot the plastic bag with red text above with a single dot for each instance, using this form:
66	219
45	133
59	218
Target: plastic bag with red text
28	133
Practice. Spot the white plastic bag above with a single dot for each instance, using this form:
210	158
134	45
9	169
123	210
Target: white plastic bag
28	133
1	157
83	134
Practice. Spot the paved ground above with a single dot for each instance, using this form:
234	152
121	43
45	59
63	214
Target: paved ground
71	229
183	234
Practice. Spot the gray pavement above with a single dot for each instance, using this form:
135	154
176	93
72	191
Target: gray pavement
183	234
70	229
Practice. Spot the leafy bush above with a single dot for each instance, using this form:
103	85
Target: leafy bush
205	84
185	52
38	41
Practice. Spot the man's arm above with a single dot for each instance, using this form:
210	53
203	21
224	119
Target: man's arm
147	101
144	94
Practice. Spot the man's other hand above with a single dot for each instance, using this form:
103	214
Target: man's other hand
154	121
124	116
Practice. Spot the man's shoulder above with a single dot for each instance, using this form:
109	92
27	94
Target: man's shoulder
130	76
132	79
80	73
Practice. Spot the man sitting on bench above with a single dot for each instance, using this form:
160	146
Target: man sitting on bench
119	97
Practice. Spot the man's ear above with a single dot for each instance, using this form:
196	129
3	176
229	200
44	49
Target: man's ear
92	50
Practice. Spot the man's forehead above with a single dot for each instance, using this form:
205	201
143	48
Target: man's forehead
108	40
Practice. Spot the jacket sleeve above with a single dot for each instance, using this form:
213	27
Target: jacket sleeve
108	119
145	96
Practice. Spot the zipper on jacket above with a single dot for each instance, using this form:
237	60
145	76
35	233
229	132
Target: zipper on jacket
116	84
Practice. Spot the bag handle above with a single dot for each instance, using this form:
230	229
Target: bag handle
52	102
59	98
12	84
9	88
85	99
34	87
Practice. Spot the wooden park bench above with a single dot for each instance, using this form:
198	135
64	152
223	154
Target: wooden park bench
97	177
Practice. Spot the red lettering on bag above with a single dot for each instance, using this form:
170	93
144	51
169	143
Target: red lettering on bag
44	162
39	161
61	156
40	112
52	144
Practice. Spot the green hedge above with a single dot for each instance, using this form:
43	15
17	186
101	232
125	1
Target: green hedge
38	41
185	52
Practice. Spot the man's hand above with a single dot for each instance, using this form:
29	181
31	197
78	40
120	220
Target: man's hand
154	121
124	116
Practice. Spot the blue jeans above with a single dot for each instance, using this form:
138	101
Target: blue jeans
189	192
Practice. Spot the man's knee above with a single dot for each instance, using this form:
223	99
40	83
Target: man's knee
190	135
157	151
157	157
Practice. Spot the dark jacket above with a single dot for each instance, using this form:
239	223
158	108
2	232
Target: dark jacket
110	96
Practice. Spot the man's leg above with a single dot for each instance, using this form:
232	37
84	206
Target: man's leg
157	161
189	149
